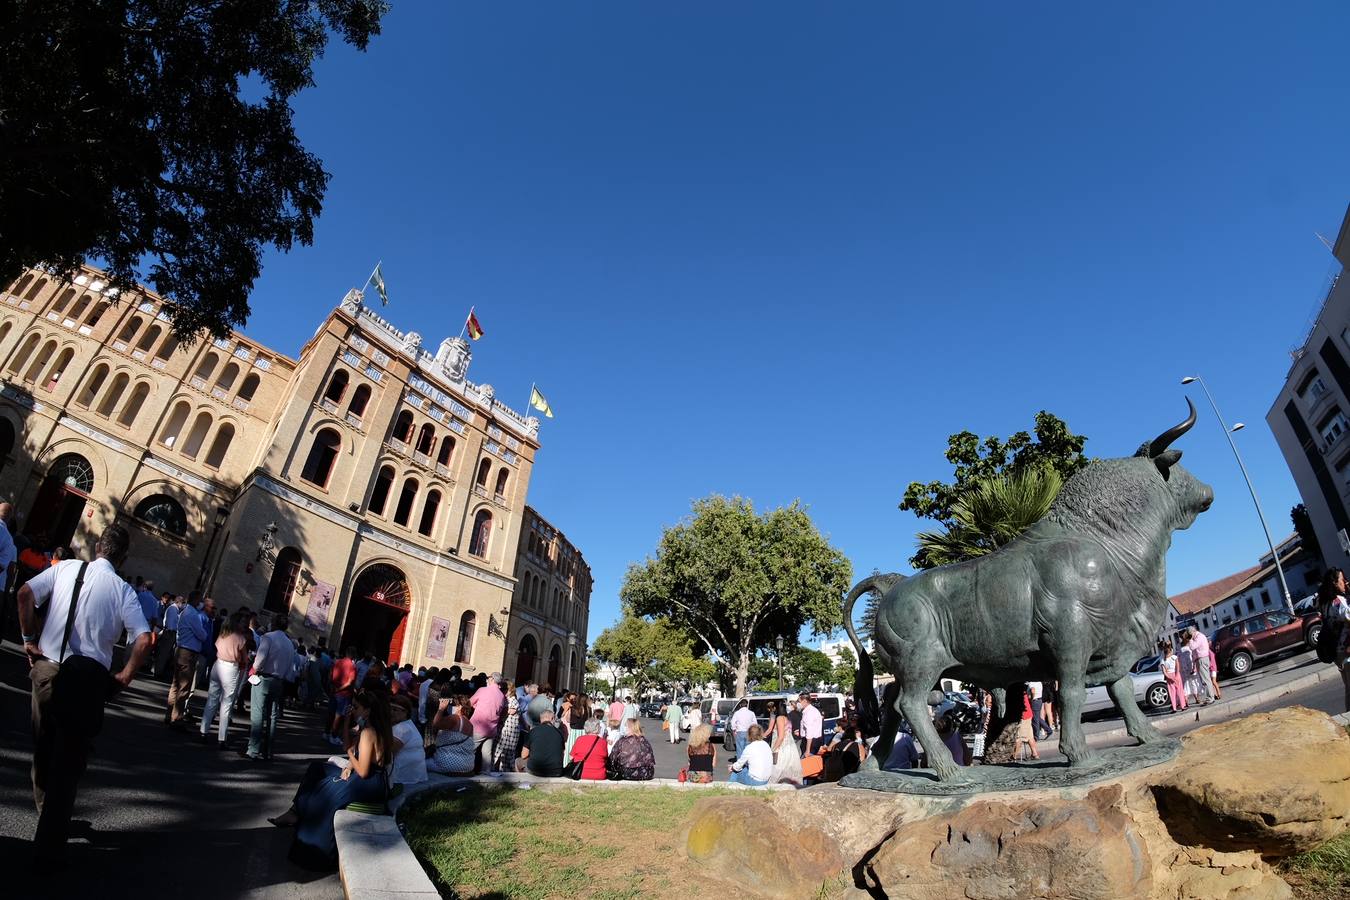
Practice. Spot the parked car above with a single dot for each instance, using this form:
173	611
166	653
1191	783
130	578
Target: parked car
717	712
1240	645
1150	689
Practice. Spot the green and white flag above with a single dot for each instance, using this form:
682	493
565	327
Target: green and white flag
377	278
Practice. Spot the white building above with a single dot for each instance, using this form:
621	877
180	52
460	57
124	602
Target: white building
1245	593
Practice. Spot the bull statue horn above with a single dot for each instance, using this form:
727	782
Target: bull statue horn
1164	440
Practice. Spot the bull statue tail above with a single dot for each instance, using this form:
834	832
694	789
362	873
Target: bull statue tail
864	686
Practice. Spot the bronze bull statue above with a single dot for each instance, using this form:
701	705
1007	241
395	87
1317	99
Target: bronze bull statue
1078	598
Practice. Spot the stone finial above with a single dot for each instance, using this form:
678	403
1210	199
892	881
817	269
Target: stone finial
351	303
487	394
532	425
412	344
453	358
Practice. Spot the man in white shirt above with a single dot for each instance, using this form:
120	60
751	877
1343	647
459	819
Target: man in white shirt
273	665
106	606
813	725
742	720
754	766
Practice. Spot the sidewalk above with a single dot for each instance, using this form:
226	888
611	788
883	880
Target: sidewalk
162	815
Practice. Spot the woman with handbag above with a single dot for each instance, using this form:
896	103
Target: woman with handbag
590	753
702	756
455	751
787	759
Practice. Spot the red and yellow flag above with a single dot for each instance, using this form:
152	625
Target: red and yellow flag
471	323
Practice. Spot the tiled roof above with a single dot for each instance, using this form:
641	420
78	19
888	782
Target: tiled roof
1205	596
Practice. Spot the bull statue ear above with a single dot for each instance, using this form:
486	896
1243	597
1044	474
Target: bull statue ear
1166	460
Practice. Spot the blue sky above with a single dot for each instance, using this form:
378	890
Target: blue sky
783	250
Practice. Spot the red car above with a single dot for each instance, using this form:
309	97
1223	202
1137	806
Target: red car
1266	634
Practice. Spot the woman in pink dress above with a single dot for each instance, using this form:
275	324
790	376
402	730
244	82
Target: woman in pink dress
1170	667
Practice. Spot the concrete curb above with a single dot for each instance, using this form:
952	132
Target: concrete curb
1226	709
375	861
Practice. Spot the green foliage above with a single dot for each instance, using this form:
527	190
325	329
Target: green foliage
991	514
734	579
845	670
158	139
976	462
806	668
598	687
645	651
1323	872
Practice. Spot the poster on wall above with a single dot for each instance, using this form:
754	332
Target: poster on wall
440	633
320	604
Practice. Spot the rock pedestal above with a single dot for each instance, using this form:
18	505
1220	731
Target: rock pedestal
1206	826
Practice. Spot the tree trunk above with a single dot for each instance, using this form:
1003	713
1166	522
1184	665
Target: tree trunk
742	674
1000	741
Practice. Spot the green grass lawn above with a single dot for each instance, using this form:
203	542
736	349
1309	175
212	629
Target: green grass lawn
1323	873
564	842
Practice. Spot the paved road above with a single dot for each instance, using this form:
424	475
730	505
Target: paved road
165	816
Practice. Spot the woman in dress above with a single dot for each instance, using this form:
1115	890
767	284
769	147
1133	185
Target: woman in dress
787	759
509	743
632	758
578	712
591	751
410	762
326	788
455	753
702	755
1170	667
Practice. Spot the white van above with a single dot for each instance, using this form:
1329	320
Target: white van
717	712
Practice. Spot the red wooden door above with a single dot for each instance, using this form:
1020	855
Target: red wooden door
396	643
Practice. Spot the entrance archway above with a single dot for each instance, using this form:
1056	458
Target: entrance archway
554	664
56	511
527	656
377	613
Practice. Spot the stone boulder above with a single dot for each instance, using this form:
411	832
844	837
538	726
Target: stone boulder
1277	783
1202	827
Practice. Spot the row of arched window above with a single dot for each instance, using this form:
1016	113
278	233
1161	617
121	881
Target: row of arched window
425	443
191	445
337	389
228	376
43	367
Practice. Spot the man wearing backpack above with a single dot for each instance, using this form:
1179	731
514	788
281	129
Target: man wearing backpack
88	606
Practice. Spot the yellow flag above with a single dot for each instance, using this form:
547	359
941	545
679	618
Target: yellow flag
538	402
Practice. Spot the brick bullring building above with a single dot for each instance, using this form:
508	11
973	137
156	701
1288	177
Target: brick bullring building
368	487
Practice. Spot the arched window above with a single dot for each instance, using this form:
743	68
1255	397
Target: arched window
447	451
337	386
501	481
207	366
360	398
77	311
379	497
482	533
97	313
406	498
148	339
322	454
163	512
92	386
24	352
220	446
4	330
227	377
72	470
17	287
66	296
429	509
166	349
484	468
426	440
174	426
40	362
33	291
134	404
249	387
113	395
464	643
285	576
129	330
56	371
197	436
403	427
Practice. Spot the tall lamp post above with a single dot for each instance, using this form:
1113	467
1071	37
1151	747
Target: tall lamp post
1228	433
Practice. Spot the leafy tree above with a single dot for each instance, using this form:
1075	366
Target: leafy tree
991	514
735	579
157	137
845	670
806	668
641	650
598	687
977	461
761	673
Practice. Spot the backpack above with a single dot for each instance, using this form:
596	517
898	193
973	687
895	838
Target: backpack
1329	638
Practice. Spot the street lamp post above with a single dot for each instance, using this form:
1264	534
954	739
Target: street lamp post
778	642
1228	433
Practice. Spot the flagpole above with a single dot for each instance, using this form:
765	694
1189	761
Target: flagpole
371	275
530	402
465	327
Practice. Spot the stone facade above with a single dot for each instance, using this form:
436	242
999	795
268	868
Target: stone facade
546	637
368	487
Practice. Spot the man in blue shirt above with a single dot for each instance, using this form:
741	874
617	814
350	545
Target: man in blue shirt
145	596
192	635
168	634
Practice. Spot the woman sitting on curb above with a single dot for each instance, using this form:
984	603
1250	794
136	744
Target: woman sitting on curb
453	735
632	758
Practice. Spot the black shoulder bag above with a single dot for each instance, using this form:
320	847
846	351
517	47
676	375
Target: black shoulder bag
82	684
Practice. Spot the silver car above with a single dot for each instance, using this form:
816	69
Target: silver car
1150	689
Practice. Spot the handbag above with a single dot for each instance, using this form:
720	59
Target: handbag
573	770
81	685
812	766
